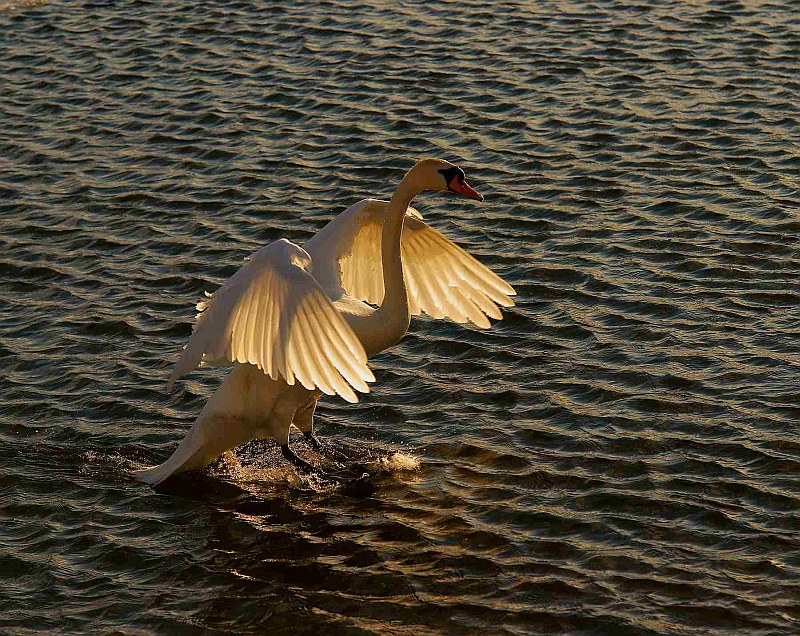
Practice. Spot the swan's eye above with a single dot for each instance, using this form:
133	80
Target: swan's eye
456	182
453	178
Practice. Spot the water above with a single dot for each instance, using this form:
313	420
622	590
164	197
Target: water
619	455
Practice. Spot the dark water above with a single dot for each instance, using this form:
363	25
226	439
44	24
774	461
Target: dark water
620	455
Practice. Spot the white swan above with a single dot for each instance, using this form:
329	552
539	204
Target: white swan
298	324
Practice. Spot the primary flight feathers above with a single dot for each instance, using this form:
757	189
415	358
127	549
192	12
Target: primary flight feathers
442	280
273	314
276	312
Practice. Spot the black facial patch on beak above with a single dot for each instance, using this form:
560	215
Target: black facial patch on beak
450	173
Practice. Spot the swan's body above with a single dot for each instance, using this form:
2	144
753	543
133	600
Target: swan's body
298	323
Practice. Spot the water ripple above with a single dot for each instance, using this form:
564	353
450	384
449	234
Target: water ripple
616	456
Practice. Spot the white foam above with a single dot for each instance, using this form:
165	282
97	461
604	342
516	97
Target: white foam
400	461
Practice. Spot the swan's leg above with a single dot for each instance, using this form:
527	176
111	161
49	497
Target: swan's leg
281	418
304	421
313	441
298	463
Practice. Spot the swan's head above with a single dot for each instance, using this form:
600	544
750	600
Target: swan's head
438	174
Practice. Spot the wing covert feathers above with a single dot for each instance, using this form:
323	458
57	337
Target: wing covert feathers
273	314
442	280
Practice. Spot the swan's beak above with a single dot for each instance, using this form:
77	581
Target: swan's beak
459	186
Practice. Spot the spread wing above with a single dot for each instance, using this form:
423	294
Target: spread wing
443	281
272	313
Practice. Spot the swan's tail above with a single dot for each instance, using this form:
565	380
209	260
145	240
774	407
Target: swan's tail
200	446
154	475
226	421
206	440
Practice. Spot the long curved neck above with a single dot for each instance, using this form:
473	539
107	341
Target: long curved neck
394	314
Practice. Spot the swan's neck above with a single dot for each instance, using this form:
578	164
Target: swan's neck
394	314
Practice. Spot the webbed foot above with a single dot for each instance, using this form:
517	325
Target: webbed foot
301	464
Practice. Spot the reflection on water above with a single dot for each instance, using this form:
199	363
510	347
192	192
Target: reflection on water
618	455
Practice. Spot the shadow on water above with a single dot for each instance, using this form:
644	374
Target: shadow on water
296	550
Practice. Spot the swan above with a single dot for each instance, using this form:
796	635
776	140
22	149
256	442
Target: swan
301	322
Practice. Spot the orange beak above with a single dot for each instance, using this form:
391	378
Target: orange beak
464	189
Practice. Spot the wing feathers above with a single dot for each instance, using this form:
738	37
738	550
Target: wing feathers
318	371
446	282
477	275
352	367
442	280
270	322
273	314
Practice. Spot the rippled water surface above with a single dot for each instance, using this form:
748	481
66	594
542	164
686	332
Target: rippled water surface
619	455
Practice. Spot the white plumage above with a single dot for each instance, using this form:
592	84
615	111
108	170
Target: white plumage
275	315
301	322
442	280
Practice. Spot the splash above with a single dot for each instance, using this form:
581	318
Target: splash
229	466
261	472
255	471
399	461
